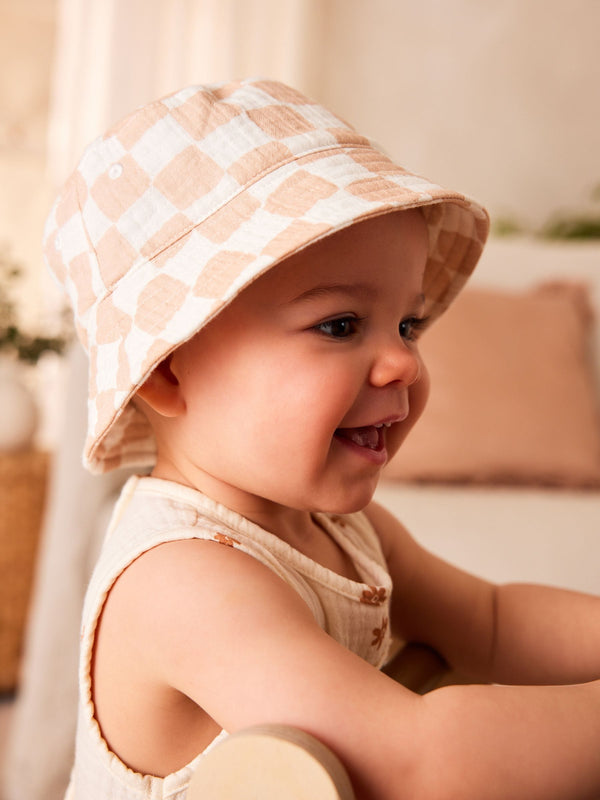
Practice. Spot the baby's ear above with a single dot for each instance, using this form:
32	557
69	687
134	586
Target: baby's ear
161	391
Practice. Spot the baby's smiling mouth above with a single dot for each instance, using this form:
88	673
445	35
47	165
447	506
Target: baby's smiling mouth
369	436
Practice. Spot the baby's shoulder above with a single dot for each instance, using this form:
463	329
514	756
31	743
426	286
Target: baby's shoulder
191	588
198	572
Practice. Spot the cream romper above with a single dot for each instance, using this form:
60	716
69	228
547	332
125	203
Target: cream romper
152	511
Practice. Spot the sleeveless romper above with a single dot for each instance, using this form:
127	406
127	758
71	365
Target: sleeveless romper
151	511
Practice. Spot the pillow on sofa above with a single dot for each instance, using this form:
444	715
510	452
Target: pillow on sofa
513	392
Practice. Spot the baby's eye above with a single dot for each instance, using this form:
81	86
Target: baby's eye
340	328
411	327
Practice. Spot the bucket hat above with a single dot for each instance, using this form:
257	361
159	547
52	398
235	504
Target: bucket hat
189	199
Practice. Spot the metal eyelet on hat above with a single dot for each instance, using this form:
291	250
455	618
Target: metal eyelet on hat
115	171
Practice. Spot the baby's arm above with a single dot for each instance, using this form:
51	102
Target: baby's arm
505	634
228	633
546	635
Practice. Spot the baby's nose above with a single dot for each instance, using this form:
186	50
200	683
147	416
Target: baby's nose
396	363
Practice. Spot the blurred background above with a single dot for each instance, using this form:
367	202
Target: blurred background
499	100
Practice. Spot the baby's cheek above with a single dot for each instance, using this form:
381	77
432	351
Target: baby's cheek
417	399
418	395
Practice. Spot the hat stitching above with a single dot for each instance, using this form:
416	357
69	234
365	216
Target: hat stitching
130	274
295	158
186	231
157	293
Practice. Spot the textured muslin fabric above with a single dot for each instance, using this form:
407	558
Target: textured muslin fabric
150	512
191	198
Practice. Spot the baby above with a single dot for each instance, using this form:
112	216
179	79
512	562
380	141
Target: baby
250	278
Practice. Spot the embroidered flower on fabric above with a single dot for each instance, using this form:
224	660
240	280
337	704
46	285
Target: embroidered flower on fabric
373	596
379	633
223	538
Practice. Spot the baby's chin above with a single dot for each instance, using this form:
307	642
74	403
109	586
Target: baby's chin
349	502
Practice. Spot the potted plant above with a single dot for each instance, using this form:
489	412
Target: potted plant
18	349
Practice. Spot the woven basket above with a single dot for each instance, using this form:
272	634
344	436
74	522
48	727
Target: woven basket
22	494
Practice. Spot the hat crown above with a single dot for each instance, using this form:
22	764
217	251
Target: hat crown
168	165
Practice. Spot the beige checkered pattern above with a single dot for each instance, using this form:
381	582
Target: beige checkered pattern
186	201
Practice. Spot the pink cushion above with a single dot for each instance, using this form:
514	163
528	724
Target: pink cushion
514	396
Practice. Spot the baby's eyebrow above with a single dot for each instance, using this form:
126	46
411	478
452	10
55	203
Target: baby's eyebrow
361	290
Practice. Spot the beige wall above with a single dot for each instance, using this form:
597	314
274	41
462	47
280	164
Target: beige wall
26	41
498	97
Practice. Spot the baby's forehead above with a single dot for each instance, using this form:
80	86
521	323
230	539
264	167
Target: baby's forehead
360	259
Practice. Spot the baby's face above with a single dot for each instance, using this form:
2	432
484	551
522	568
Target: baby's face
300	391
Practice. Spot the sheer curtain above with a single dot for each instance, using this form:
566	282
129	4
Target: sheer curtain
111	56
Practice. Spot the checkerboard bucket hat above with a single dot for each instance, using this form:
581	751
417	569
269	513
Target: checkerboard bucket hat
188	200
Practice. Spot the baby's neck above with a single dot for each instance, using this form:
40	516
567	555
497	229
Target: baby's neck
297	527
289	524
